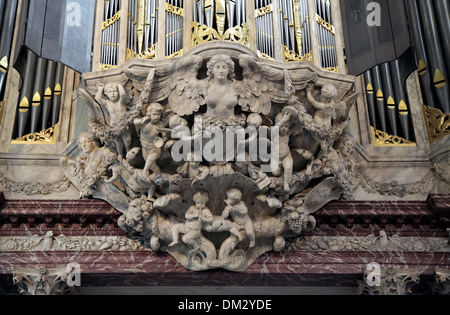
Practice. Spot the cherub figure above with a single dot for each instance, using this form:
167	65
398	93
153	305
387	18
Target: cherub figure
114	98
195	217
283	122
193	169
94	161
238	211
325	106
134	185
178	130
150	136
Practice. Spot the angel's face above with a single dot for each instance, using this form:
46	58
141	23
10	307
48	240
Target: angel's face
284	129
87	146
155	117
112	93
221	71
347	148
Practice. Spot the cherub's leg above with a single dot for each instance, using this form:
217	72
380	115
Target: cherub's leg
150	162
233	228
192	238
119	147
288	165
249	229
126	139
176	230
275	167
151	192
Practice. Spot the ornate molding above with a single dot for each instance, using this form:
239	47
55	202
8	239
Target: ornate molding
47	136
394	188
49	242
442	282
390	281
441	169
371	243
34	188
383	139
175	10
202	34
264	10
43	281
147	54
111	21
437	123
292	56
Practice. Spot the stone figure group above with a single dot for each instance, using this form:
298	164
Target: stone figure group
221	212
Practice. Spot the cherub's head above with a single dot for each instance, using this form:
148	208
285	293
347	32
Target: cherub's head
221	67
254	120
234	196
175	121
87	142
132	154
201	198
155	111
284	128
112	92
328	92
347	146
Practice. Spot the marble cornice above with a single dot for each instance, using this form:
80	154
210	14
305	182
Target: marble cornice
428	218
308	268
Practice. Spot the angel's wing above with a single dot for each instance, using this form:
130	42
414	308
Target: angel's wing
346	104
256	90
186	91
263	85
176	81
95	107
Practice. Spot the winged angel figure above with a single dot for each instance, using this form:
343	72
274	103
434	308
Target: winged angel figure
221	92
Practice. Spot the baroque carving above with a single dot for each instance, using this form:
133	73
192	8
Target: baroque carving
394	188
442	282
370	243
437	122
213	165
34	188
49	242
43	281
391	281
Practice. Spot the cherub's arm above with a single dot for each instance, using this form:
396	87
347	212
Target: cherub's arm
141	121
226	212
100	96
115	176
284	120
204	173
192	213
165	135
207	216
311	99
123	95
